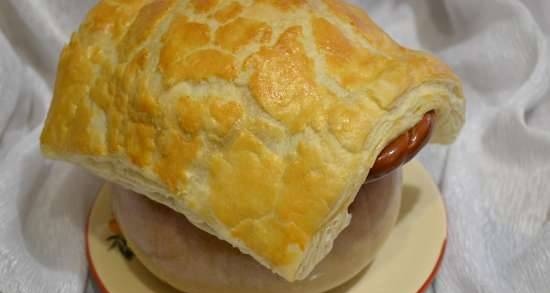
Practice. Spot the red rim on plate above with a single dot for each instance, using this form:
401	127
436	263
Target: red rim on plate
101	286
95	275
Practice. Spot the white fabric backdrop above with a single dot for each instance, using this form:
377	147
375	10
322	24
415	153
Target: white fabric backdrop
495	178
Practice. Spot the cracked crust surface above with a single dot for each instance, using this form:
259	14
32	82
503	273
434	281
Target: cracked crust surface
258	120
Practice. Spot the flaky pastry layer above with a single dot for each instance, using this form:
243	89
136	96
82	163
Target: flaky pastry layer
258	120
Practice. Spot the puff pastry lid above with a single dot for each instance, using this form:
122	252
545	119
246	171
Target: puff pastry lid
258	120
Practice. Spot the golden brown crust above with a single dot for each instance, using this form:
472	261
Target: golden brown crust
195	262
257	119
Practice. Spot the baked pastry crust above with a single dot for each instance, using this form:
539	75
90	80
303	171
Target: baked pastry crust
195	262
258	120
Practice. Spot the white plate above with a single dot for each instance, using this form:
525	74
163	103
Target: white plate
407	262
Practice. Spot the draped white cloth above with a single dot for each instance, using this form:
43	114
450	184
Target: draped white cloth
495	178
